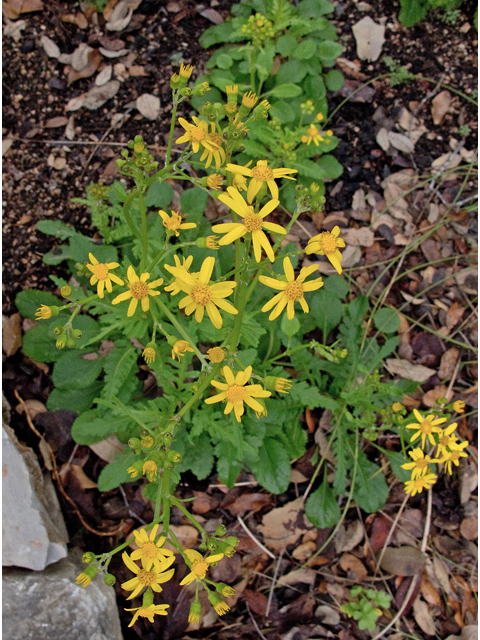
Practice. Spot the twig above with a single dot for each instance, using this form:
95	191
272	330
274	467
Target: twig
57	477
453	378
255	623
257	542
272	586
390	534
445	164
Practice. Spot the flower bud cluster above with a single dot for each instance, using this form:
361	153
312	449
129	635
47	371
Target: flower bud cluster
141	161
215	545
67	336
309	198
258	29
156	455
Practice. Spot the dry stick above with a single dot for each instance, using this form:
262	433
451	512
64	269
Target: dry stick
413	584
272	586
445	164
257	542
390	534
255	623
56	474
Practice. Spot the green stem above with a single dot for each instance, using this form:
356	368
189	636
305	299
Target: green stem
144	233
165	489
128	216
166	311
186	513
172	128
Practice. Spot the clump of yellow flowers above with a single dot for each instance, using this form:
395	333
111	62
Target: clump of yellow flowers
161	284
434	444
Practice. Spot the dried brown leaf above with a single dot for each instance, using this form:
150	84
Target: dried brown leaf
448	363
454	315
11	334
284	525
408	371
440	106
440	391
423	617
353	567
369	37
57	121
299	576
83	480
403	561
109	448
249	502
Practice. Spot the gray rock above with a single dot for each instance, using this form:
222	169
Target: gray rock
34	533
49	605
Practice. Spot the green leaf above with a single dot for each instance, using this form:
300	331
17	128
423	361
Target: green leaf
305	50
193	202
29	301
330	166
287	90
216	34
357	309
412	11
71	371
228	466
315	89
290	327
272	469
338	285
224	61
119	365
286	45
315	8
89	328
202	460
283	111
327	310
250	332
115	473
93	426
334	80
311	397
77	400
387	320
321	507
329	50
371	490
292	71
39	343
159	195
56	228
396	460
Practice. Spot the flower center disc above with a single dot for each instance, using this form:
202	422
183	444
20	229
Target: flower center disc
149	550
455	456
146	577
199	568
262	173
174	223
294	291
216	139
101	271
252	222
328	242
200	294
421	464
425	427
235	393
444	440
197	134
139	290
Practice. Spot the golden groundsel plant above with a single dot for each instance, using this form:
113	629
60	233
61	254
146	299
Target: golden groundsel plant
142	291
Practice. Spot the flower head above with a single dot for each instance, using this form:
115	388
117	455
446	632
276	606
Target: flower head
186	71
84	578
218	604
216	354
417	485
236	393
152	577
420	463
446	438
150	552
136	469
260	174
426	427
195	610
313	134
198	565
291	291
397	406
459	406
327	244
215	181
149	352
252	223
280	385
174	222
249	99
201	295
43	312
150	469
179	349
225	590
240	182
216	152
101	274
138	290
185	265
148	612
197	134
453	456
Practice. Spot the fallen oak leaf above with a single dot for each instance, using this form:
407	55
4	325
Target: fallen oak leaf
95	98
408	371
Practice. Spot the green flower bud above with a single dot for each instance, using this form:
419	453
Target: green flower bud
89	557
134	443
61	341
186	91
221	530
167	438
76	333
109	579
66	291
58	331
175	456
232	541
71	344
224	590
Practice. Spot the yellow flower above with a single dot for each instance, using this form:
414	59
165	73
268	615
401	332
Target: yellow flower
253	223
454	455
327	244
150	552
417	485
319	117
147	577
249	100
138	290
446	438
150	469
179	349
216	354
198	565
259	174
149	353
212	243
186	70
174	222
67	290
240	182
291	291
282	385
84	578
174	287
420	463
195	610
43	312
236	393
459	406
148	612
101	274
147	442
232	91
203	296
215	181
426	427
216	151
313	134
397	406
197	134
231	108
